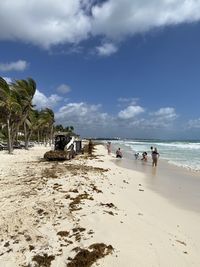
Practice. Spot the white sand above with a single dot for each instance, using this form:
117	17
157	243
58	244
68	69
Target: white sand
144	228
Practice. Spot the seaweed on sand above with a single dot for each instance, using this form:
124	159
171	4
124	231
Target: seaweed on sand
86	257
44	260
73	206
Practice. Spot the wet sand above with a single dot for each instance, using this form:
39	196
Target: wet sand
176	184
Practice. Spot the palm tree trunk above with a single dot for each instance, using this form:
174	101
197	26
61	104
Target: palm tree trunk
25	137
10	148
38	136
51	137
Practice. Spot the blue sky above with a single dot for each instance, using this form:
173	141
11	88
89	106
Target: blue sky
114	68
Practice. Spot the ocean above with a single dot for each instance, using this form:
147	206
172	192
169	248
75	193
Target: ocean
184	154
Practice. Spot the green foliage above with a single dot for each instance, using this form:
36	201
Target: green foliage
17	114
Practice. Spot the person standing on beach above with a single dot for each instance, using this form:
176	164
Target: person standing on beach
155	156
90	147
109	147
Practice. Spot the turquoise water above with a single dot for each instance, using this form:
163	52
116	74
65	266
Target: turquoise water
180	153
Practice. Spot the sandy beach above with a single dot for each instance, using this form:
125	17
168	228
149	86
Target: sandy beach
96	211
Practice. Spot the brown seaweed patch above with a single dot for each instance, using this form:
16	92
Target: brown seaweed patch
44	260
77	233
77	200
78	229
84	168
108	205
49	173
94	188
86	257
63	233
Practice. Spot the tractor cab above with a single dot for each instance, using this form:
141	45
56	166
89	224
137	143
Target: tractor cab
61	141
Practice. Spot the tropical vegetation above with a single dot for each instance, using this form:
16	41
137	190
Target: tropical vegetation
20	120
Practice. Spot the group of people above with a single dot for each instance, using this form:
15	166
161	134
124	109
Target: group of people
118	152
154	154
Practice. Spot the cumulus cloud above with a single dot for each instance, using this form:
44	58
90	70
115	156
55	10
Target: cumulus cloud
106	49
47	23
43	22
63	89
162	118
86	118
42	101
195	124
130	112
167	113
118	18
82	115
19	65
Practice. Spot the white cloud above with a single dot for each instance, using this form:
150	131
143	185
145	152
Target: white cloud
42	101
84	117
118	18
63	89
19	65
162	118
130	112
47	23
89	120
106	49
195	124
167	113
43	22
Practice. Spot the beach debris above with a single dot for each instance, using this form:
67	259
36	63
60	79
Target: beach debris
73	206
181	242
94	188
77	233
108	205
49	173
43	260
63	233
109	212
87	257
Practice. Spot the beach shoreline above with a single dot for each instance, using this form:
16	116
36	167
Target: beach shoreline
177	184
56	209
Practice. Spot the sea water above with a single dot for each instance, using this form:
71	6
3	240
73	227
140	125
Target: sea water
180	153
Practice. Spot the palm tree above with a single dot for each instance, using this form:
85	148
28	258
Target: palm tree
9	108
26	90
46	121
71	129
59	128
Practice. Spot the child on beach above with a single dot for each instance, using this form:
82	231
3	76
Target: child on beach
144	156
